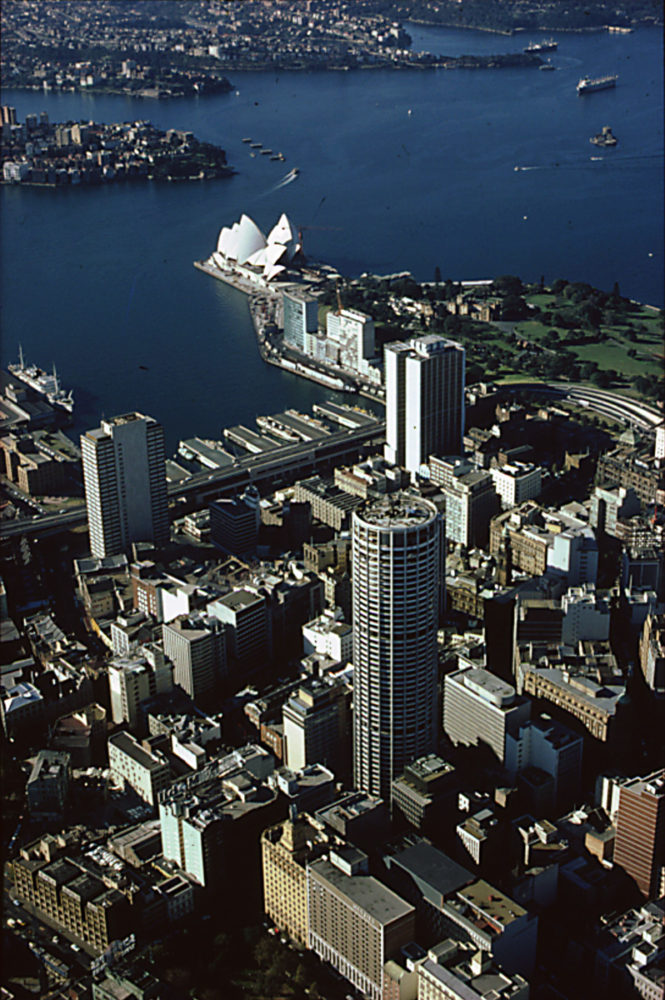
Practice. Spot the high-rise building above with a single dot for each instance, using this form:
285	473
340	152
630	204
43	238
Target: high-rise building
471	502
125	483
234	522
133	679
350	336
479	707
424	400
639	847
196	644
301	316
316	721
397	556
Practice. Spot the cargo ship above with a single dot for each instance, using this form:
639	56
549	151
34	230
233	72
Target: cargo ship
587	85
43	383
535	48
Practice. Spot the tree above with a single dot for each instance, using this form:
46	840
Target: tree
508	284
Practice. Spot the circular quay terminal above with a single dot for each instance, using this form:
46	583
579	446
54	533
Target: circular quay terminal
332	590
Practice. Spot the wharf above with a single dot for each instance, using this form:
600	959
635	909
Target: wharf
343	415
208	453
254	443
293	426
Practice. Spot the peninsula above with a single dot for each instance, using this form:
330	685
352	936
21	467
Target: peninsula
60	154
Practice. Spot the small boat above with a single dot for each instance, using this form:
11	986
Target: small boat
247	139
604	138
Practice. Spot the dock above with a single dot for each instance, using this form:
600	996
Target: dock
345	416
209	453
256	444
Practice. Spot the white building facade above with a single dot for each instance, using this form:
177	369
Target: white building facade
397	564
125	483
424	400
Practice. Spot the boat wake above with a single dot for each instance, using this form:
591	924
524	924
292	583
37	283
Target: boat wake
287	179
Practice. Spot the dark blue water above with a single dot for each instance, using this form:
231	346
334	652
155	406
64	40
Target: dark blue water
101	280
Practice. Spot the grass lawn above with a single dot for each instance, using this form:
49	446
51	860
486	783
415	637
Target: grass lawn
613	356
543	300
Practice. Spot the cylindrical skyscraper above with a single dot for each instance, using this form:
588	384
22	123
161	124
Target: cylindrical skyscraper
396	572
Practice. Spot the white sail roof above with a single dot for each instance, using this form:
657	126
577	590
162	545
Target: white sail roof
245	243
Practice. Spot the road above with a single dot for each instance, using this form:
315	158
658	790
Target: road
292	459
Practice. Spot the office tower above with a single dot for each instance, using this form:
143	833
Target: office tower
481	708
133	679
247	617
471	502
213	817
316	721
301	316
351	338
639	847
146	771
234	523
125	483
421	792
196	645
396	573
424	400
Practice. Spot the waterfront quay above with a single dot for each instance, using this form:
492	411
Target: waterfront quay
265	308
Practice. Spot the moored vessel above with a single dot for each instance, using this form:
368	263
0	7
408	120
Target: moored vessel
43	383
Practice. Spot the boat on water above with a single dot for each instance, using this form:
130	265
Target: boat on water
546	66
42	382
277	156
535	48
247	139
292	174
604	138
266	152
255	145
586	85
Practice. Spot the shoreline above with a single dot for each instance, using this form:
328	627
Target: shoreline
333	380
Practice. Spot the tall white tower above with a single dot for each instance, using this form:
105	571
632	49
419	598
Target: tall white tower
397	552
424	400
125	483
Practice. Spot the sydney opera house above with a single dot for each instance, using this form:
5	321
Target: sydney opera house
243	249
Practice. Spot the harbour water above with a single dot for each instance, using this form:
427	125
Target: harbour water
398	171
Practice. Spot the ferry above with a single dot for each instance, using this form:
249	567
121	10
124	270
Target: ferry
43	383
535	48
587	85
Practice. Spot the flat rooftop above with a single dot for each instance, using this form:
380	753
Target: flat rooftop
364	891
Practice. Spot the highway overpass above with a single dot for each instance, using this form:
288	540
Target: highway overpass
281	466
